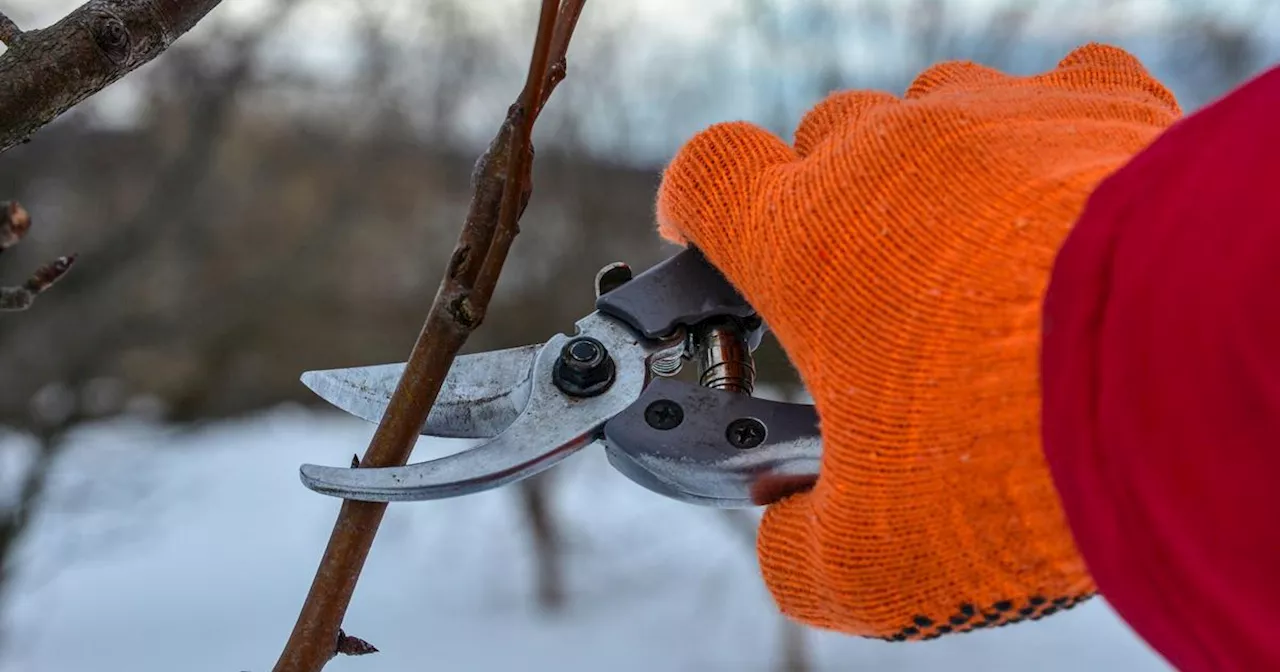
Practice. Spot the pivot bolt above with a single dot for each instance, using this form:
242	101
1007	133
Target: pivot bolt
584	368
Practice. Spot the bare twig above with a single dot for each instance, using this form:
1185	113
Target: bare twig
570	10
15	222
49	71
500	190
9	31
22	296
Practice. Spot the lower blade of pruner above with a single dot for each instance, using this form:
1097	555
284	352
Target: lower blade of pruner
481	396
552	426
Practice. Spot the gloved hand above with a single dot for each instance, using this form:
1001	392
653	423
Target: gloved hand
899	251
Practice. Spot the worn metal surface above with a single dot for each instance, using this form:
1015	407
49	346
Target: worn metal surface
696	461
710	444
682	290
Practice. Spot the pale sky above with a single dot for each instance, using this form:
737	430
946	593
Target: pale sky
320	36
676	20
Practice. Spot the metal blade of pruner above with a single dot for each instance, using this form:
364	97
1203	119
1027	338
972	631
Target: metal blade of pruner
481	396
709	443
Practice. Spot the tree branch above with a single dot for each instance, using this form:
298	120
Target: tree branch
9	31
48	71
15	221
22	296
501	188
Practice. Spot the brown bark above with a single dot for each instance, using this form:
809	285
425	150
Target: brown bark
501	189
48	71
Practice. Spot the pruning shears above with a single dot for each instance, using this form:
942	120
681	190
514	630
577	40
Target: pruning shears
707	442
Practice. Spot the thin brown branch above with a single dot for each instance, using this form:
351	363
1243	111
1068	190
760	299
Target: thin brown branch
513	202
500	189
22	296
570	10
51	70
9	31
15	222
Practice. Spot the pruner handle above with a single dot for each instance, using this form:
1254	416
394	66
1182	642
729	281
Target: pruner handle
709	443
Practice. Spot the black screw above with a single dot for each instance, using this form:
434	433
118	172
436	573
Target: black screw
664	414
584	369
745	433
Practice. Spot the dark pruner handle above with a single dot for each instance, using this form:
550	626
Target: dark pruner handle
713	447
682	290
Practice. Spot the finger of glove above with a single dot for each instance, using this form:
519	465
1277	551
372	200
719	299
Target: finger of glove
707	197
1108	70
954	76
1101	68
839	111
867	585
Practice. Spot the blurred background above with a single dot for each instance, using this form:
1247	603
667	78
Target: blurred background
279	192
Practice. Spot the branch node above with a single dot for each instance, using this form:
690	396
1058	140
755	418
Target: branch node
15	221
352	646
111	36
459	260
10	33
461	310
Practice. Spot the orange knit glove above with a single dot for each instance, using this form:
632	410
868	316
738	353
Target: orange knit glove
899	252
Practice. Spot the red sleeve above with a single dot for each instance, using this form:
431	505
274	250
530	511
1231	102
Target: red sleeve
1161	380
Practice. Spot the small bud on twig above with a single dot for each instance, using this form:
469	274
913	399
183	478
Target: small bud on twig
21	298
9	31
15	221
352	646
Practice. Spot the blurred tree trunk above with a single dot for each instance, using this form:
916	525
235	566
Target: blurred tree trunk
545	537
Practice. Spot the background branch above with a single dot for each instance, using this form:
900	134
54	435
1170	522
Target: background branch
22	296
50	70
501	188
15	222
9	31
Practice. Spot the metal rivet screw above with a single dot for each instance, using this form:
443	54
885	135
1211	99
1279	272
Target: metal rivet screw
745	433
664	414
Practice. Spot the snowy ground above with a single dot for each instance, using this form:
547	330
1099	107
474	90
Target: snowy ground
192	552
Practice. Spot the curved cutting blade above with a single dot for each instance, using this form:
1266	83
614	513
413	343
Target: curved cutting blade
552	426
481	396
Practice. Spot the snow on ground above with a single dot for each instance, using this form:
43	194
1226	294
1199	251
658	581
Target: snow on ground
164	551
